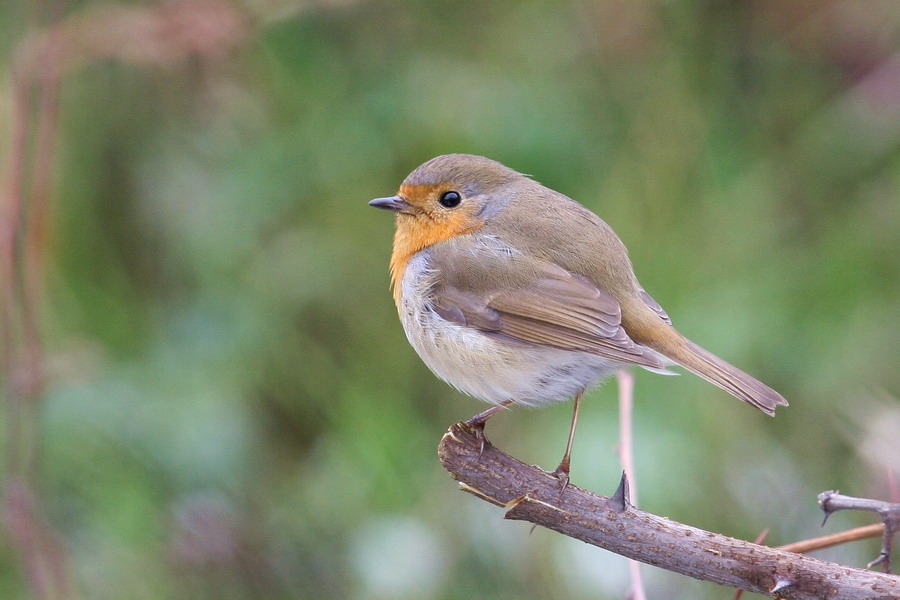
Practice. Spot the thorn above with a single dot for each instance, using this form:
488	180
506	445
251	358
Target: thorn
515	502
883	558
620	499
824	501
781	584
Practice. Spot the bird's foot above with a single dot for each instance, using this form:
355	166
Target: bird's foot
475	425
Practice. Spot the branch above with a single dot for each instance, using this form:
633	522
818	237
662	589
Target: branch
835	539
530	494
831	502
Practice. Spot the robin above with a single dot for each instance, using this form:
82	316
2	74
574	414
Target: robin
516	294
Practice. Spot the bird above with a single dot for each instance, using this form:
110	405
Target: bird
515	294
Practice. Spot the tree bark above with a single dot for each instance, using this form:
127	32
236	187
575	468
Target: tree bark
530	494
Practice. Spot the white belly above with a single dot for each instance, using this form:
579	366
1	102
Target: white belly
485	367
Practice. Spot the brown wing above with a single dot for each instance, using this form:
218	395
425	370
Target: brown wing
547	307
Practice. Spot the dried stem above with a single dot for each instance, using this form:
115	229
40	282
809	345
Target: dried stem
625	379
144	36
835	539
23	238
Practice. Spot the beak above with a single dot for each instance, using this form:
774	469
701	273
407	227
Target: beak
394	203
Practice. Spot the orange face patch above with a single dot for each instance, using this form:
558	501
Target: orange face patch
430	224
421	193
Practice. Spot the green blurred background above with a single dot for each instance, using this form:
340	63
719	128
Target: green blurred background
230	409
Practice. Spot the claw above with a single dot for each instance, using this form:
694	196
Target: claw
562	473
477	429
476	423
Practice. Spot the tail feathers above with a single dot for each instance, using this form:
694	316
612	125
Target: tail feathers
728	377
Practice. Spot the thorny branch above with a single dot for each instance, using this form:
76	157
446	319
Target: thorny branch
530	494
831	502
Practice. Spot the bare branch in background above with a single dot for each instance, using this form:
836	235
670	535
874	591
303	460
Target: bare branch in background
148	36
625	382
153	36
832	501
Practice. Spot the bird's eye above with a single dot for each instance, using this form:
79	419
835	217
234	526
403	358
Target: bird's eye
450	199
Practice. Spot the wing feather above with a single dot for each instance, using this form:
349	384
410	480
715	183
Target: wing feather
545	305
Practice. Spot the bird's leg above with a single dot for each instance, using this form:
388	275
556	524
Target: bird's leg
562	471
476	423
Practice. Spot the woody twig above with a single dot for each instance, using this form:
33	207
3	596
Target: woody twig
832	501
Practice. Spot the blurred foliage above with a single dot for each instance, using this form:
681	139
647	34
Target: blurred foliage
232	409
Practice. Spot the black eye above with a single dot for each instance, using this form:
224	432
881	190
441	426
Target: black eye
450	199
